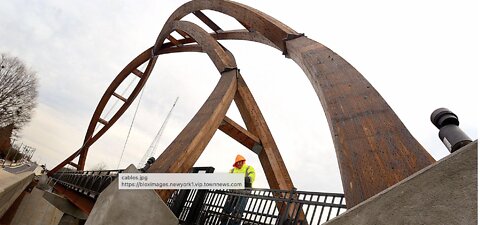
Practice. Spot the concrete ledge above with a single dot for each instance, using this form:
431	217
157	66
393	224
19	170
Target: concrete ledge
35	210
11	186
443	193
125	207
64	205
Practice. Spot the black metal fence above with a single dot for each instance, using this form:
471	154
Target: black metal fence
225	207
89	183
255	206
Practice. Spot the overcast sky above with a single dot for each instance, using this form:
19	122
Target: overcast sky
420	55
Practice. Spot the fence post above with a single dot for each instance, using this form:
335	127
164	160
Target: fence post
285	215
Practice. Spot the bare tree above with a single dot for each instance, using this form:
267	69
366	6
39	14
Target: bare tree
18	92
99	166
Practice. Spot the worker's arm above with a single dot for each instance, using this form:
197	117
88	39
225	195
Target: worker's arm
251	174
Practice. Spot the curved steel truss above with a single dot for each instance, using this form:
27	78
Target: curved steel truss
374	149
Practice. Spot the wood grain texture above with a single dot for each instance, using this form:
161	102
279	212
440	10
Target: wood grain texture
209	45
207	21
272	163
240	134
252	19
374	149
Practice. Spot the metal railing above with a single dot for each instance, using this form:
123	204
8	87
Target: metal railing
255	206
89	183
225	207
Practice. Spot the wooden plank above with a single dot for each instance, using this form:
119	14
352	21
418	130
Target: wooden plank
184	35
102	121
73	164
240	34
240	134
244	35
173	40
119	97
137	72
207	21
184	48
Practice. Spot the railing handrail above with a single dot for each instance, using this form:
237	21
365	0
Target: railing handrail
310	206
88	171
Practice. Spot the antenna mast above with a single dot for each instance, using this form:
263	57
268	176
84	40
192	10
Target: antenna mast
153	146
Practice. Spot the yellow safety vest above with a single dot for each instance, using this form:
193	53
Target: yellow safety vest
247	170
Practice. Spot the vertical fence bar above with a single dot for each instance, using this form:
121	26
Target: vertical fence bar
338	209
269	207
254	203
323	206
263	206
308	208
330	210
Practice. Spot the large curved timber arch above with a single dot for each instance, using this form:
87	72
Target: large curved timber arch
374	149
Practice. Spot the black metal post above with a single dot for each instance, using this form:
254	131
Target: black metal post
450	134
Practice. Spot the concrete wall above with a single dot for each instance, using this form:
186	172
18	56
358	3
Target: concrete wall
11	186
35	210
126	207
443	193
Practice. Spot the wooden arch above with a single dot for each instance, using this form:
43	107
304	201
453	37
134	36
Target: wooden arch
374	149
181	155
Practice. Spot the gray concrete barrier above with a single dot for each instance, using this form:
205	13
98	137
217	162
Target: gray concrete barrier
443	193
11	186
125	207
35	210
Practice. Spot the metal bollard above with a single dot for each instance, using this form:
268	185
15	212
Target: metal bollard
150	161
450	134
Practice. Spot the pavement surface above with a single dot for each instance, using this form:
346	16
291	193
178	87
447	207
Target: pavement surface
30	166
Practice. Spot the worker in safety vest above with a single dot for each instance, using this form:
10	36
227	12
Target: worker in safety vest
241	167
235	204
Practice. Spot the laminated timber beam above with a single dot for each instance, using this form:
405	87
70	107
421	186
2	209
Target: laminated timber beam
272	163
207	21
186	148
73	164
181	155
184	151
240	134
374	149
253	19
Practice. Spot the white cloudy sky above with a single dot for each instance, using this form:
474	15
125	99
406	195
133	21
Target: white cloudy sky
420	55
